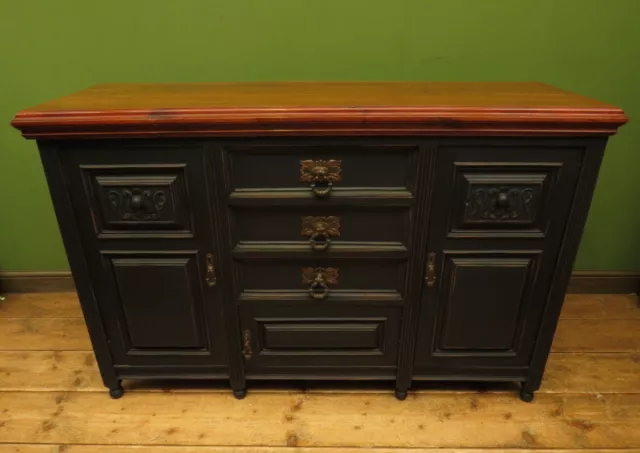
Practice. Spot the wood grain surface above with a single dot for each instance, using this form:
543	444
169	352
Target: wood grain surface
52	400
319	108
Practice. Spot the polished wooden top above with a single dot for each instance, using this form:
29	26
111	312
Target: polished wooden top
319	108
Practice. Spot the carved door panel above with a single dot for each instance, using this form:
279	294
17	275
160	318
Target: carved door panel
146	222
497	220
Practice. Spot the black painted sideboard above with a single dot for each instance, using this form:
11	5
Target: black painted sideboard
387	231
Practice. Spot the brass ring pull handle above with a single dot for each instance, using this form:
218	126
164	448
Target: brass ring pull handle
320	230
319	279
321	191
319	241
318	289
321	174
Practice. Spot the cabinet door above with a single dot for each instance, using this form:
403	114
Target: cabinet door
498	217
145	217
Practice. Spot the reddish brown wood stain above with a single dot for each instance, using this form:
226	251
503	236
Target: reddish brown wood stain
319	108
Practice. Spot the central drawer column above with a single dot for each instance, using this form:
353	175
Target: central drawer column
321	242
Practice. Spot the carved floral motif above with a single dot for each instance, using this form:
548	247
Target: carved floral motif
499	204
138	204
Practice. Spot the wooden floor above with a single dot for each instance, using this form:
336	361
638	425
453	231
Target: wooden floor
52	399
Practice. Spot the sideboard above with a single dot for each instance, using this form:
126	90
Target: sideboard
371	231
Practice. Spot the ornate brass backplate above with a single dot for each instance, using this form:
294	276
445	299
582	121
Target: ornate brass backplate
328	274
325	226
318	279
320	230
320	170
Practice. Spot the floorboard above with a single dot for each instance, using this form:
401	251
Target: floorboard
600	306
17	448
51	334
52	399
40	305
597	335
325	420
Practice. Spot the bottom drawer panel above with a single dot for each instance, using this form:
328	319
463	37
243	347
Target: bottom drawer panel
321	336
355	337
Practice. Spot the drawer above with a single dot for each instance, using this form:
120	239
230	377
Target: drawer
321	229
138	190
321	170
505	191
349	278
317	335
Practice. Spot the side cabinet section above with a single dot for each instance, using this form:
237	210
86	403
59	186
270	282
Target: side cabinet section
498	218
146	224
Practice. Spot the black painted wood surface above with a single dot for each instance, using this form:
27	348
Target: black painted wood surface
438	258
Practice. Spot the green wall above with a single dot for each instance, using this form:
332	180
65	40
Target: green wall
50	48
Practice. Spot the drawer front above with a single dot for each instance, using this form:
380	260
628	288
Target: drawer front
134	201
336	278
319	168
510	192
323	335
321	229
322	338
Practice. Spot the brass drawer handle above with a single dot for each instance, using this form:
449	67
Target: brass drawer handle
321	174
320	230
318	279
321	189
247	352
431	270
319	241
211	271
318	289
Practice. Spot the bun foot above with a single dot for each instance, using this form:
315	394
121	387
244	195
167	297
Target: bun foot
526	396
116	392
239	394
401	395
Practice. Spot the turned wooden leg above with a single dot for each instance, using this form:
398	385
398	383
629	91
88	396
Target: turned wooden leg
526	396
401	395
527	392
240	393
116	391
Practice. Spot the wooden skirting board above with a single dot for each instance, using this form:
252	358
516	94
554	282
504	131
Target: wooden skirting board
613	282
582	282
36	282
